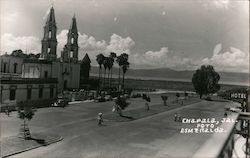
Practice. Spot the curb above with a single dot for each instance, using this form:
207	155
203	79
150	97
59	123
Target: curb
34	147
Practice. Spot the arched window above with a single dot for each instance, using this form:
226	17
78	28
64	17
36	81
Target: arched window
71	54
49	34
4	67
15	68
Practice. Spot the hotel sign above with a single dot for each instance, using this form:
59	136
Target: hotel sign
238	95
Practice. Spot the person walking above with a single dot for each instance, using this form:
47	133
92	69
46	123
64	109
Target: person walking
175	117
179	117
147	106
100	119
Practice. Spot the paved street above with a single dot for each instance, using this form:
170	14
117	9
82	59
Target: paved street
154	136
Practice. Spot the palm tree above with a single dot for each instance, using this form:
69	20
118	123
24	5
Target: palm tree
125	67
100	59
119	61
123	63
112	56
110	65
105	64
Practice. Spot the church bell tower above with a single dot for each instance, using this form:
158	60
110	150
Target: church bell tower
49	42
70	50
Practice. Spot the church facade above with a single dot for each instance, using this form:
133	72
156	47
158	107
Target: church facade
40	79
66	68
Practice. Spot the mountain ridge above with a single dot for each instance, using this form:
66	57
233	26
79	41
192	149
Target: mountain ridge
181	75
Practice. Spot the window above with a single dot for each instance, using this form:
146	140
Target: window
48	50
4	67
72	40
50	34
71	54
15	67
29	90
65	84
45	74
40	95
12	93
51	94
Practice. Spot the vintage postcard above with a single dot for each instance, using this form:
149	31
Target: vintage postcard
124	78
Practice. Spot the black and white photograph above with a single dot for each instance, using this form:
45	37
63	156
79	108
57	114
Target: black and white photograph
124	79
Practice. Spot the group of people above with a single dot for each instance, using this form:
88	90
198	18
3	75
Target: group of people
177	117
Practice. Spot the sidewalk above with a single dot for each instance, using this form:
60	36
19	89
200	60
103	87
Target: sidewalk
14	144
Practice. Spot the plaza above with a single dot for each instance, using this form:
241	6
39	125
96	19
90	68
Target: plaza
156	135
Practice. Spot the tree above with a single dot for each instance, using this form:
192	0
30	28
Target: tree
25	113
100	59
105	65
205	80
164	98
125	67
121	104
123	63
112	56
119	62
110	65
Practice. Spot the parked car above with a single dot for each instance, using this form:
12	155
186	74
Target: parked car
60	102
108	98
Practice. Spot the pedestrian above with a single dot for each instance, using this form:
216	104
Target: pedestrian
179	117
175	117
147	106
113	108
6	111
225	114
100	119
9	111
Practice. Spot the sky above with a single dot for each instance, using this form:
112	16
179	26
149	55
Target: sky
176	34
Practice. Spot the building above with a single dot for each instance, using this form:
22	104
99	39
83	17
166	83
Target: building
28	78
11	65
85	68
67	68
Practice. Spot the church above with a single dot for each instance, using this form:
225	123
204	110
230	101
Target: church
43	78
66	68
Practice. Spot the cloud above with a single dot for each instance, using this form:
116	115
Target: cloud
10	42
217	48
234	60
163	58
120	45
92	46
87	44
220	4
224	4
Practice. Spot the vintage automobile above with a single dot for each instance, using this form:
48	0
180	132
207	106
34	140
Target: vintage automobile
60	102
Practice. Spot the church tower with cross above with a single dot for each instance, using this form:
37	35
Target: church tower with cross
70	50
49	41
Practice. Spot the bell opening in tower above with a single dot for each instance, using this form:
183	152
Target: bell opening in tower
71	54
49	34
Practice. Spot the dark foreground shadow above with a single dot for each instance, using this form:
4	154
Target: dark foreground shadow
128	117
39	141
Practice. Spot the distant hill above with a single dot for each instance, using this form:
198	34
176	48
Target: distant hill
169	74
